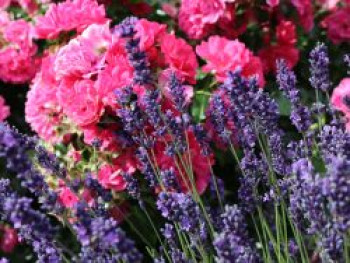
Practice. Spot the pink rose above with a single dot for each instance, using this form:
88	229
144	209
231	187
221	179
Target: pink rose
338	25
223	55
42	110
81	101
180	57
148	32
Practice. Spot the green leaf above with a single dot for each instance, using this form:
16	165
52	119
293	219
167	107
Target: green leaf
200	103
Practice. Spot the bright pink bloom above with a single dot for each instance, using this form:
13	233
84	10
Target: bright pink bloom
148	32
67	197
8	239
4	4
305	12
83	55
338	25
42	110
110	175
197	16
223	55
4	109
180	57
80	101
340	95
69	15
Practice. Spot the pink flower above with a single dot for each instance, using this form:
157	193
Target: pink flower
105	136
110	175
80	101
272	3
83	55
18	63
284	49
42	110
197	16
179	56
329	4
338	25
148	32
286	33
4	109
200	164
8	239
5	4
170	10
305	12
67	197
67	16
223	55
341	97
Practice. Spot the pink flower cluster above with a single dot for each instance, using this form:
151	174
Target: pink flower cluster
67	16
18	60
283	48
74	92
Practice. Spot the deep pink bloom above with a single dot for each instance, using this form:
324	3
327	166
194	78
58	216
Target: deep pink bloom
196	17
105	136
180	57
286	33
42	110
200	164
67	197
270	54
338	25
8	239
283	49
4	109
67	16
223	55
305	13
